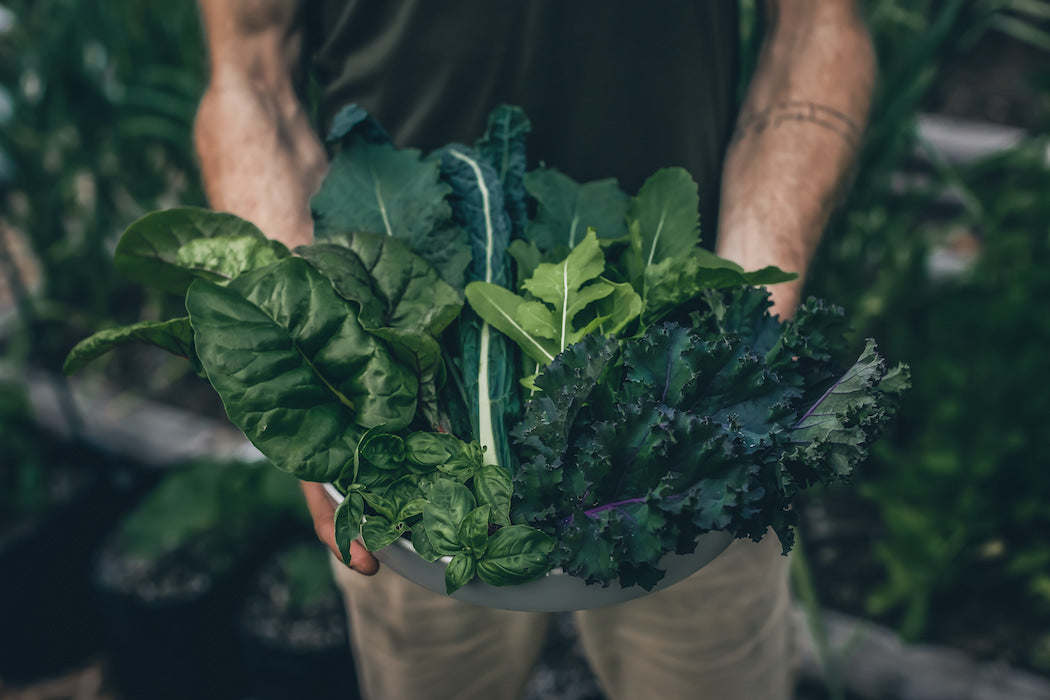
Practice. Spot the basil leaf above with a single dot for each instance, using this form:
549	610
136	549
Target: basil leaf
459	572
474	530
383	450
516	554
378	532
493	487
421	543
348	517
448	504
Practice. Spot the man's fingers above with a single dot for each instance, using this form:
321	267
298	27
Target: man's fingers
322	510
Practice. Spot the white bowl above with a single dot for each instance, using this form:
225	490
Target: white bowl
555	592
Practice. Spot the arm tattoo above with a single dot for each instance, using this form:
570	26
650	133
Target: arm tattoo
797	111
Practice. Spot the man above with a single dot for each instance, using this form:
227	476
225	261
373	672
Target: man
612	89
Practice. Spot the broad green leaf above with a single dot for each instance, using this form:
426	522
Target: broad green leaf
515	554
493	487
449	503
499	308
474	530
394	287
223	259
664	217
348	517
295	371
148	251
567	209
175	336
377	188
459	572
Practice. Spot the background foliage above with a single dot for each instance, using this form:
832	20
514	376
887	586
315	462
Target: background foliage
95	131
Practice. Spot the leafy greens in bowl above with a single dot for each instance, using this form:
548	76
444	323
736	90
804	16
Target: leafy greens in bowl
510	370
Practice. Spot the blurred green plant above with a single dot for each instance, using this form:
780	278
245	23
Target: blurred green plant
102	96
962	486
958	485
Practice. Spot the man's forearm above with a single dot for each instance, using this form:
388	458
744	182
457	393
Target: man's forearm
258	167
259	155
796	138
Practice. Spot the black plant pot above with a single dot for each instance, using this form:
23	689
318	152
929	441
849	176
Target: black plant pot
47	620
296	648
168	630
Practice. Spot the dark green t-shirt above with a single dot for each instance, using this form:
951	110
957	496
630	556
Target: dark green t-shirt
613	88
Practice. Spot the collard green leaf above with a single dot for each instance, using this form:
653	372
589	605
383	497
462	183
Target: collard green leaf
566	209
376	188
148	251
295	370
175	336
515	554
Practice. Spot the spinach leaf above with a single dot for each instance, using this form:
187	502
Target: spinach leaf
175	336
149	250
295	370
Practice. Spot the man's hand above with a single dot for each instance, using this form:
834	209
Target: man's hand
323	512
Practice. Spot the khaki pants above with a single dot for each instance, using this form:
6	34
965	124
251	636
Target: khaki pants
722	634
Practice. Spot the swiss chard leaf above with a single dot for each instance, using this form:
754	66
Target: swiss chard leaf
488	365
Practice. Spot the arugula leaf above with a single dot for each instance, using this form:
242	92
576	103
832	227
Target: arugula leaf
544	327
